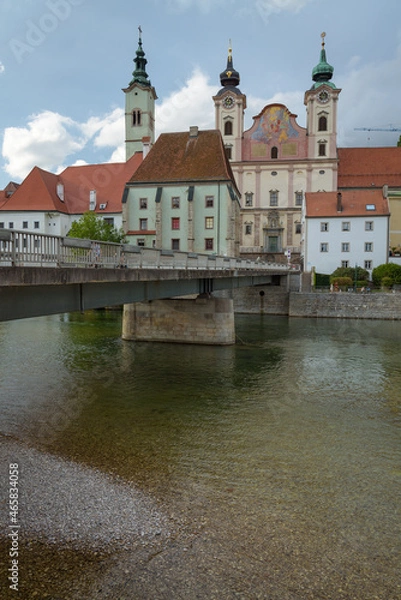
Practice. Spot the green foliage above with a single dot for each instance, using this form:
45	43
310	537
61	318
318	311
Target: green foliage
342	282
362	275
92	227
387	282
390	270
322	280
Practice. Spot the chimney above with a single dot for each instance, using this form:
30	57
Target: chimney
339	203
193	131
145	146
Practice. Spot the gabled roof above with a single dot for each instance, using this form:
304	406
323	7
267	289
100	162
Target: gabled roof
354	203
185	157
369	167
38	192
108	179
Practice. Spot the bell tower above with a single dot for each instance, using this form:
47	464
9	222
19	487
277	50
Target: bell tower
140	98
321	110
230	105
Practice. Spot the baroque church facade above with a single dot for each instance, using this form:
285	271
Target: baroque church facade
275	162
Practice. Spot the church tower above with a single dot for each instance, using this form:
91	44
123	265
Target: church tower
140	98
230	104
321	111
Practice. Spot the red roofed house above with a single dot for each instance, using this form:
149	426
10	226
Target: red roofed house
48	203
345	229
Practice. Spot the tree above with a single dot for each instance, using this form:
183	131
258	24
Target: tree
92	227
388	270
355	273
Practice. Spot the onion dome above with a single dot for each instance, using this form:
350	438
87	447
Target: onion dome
139	75
229	77
323	72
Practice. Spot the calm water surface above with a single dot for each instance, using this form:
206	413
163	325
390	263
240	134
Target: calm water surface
286	445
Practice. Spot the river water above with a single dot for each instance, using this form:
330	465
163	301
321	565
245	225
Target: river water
275	462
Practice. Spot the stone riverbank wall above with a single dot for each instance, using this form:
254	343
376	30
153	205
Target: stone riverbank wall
346	305
272	300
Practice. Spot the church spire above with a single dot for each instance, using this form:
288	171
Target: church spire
323	72
139	75
229	77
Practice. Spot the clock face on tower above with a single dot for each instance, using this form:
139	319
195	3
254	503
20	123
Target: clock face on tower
323	96
228	102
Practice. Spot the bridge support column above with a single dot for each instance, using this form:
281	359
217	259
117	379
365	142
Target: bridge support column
204	320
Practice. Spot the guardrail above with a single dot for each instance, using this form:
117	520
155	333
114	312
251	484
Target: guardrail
21	248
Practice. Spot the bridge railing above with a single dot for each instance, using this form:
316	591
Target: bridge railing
23	248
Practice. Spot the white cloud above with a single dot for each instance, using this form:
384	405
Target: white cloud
190	105
2	68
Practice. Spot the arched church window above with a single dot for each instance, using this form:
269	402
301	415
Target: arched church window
228	150
322	123
274	152
322	148
136	117
228	128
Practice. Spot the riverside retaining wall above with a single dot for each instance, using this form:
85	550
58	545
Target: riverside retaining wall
346	305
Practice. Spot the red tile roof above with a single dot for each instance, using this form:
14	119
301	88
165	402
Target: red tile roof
369	167
38	192
353	203
177	157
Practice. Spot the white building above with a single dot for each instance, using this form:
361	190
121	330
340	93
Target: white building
345	229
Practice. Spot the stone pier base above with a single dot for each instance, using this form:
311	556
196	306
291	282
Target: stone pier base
204	320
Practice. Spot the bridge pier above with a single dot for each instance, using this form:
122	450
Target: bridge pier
203	320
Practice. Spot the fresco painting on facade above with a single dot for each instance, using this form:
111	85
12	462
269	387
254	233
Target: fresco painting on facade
274	125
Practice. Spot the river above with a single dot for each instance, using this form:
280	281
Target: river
270	469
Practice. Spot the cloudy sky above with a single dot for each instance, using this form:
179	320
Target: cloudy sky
63	64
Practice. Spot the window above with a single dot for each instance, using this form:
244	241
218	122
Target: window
175	244
322	126
140	242
298	228
2	225
368	225
36	224
368	264
248	229
109	221
345	247
136	117
143	203
209	201
324	226
248	199
324	247
229	152
322	148
24	224
368	246
298	198
344	264
346	226
228	128
371	207
274	152
175	202
11	225
274	198
143	224
209	222
209	244
175	223
273	243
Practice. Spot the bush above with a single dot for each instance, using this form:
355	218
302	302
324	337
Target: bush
322	280
342	282
352	272
389	270
386	282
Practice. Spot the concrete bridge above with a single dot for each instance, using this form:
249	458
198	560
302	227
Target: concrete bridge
44	274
